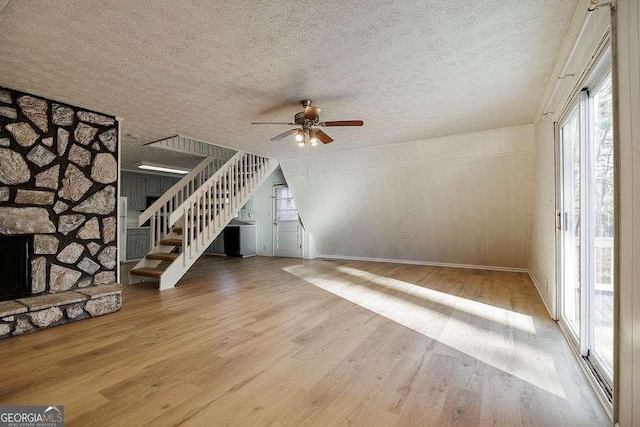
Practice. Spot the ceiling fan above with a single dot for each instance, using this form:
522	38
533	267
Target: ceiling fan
309	122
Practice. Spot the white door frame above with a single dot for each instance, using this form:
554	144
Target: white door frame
584	343
274	225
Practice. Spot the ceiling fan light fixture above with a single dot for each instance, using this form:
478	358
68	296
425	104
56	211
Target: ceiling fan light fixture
313	138
308	132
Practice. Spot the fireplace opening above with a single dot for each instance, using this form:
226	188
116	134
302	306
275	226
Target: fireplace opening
15	267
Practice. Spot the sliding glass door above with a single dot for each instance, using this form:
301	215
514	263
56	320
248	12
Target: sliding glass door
586	224
571	191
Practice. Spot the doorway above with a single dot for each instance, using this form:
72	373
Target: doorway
287	229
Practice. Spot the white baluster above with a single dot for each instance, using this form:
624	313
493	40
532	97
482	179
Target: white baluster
233	188
257	169
243	178
216	199
223	194
165	220
185	232
203	211
223	207
192	231
168	225
152	237
207	201
198	222
212	209
253	171
158	224
239	182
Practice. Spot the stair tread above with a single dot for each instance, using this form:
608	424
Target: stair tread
177	230
162	256
147	272
171	242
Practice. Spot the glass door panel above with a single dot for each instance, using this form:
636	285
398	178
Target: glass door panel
602	225
570	239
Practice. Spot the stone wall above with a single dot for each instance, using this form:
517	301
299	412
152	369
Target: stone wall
58	183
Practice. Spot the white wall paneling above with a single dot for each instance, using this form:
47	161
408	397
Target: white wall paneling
462	199
627	50
542	264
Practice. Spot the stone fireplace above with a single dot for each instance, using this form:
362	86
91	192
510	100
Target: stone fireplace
58	219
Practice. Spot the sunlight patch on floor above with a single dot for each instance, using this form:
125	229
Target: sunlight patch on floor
475	308
501	338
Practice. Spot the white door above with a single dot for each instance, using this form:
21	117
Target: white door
287	230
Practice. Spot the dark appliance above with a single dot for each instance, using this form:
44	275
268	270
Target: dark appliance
232	241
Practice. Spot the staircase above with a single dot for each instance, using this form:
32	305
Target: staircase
188	217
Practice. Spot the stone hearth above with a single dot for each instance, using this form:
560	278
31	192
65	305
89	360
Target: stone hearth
30	314
58	183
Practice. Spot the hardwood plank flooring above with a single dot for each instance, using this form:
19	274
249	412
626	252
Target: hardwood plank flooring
275	341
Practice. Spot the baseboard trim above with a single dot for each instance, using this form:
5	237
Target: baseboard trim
430	264
544	299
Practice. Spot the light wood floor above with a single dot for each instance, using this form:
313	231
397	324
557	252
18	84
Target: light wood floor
268	341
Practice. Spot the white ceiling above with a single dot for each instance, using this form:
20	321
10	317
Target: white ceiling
410	69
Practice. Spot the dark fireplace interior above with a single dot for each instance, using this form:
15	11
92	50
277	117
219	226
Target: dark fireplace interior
15	267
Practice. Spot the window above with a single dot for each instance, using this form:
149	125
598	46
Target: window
586	223
286	209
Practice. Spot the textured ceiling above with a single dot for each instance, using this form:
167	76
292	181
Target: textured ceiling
409	69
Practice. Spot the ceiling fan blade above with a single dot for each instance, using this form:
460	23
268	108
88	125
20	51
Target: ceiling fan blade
311	113
273	123
323	137
343	123
284	134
